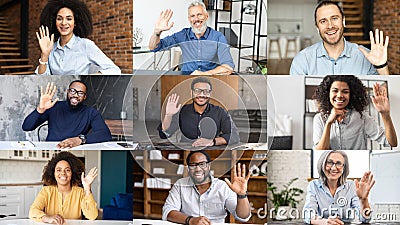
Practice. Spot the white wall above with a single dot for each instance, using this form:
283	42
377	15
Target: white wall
286	96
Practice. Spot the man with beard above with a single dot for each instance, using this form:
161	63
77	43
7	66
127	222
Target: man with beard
203	199
69	121
335	55
201	122
204	50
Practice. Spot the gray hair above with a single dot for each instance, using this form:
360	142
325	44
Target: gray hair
198	3
322	165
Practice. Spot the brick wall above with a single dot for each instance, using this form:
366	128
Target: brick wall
387	18
112	30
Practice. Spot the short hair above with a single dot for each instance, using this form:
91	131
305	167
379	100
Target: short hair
322	165
199	151
78	81
359	99
325	3
200	80
198	3
82	16
77	167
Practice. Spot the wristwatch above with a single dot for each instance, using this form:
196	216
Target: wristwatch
83	138
242	196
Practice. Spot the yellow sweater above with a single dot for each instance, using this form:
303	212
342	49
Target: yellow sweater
49	202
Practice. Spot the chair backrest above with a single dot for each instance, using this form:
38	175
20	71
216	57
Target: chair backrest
42	132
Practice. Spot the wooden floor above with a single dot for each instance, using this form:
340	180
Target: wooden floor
279	66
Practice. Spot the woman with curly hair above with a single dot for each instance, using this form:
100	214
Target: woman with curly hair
66	193
342	123
70	23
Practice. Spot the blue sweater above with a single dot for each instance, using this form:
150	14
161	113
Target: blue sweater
66	122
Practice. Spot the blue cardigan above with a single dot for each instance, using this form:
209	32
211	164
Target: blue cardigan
66	122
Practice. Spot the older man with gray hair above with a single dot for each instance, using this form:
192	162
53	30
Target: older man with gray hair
204	50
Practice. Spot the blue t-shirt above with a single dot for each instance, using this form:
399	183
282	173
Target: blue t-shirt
202	54
66	122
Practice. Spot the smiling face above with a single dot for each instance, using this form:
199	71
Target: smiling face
76	94
339	94
198	19
201	93
334	166
65	22
199	175
63	173
329	22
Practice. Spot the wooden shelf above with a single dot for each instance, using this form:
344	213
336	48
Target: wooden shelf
259	177
157	202
258	194
253	159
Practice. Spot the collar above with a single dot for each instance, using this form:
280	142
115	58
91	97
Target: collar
321	51
69	44
322	186
347	117
192	36
205	111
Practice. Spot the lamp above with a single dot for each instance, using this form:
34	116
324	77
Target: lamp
249	9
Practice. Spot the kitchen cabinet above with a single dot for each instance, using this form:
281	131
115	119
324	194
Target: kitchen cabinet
16	200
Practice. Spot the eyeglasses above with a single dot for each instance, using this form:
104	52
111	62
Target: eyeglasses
73	91
202	165
198	91
331	163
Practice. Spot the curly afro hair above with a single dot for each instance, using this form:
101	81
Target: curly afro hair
82	16
77	167
358	93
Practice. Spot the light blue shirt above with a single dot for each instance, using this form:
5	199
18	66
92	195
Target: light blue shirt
320	202
185	198
314	60
80	56
352	133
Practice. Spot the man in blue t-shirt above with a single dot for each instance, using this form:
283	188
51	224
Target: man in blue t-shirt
204	50
69	121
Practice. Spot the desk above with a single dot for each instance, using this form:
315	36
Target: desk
68	222
166	145
120	128
50	145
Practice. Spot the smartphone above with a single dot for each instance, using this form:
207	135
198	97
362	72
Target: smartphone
125	145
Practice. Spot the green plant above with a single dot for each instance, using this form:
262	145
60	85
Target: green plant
286	197
263	69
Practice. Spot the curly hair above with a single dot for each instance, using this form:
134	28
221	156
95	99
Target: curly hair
77	167
82	16
358	93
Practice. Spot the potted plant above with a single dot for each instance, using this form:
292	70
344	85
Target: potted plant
284	199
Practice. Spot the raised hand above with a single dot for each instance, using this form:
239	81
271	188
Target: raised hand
364	186
336	114
88	180
46	98
380	99
46	41
378	54
239	180
163	20
56	219
172	105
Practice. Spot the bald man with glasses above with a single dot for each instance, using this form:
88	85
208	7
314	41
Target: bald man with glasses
69	121
201	123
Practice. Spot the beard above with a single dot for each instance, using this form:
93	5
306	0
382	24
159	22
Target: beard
206	176
73	106
201	29
330	42
205	103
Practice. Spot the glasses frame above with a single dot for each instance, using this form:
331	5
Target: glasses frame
193	166
198	91
73	91
334	164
